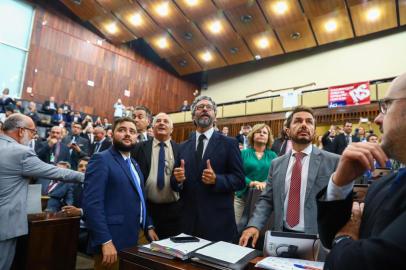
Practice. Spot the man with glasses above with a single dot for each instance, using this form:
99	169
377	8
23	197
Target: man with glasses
79	146
370	235
208	171
53	150
156	160
18	164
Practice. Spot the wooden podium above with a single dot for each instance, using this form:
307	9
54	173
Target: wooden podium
51	243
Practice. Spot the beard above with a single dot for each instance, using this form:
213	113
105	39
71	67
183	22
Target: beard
204	123
302	140
120	146
25	140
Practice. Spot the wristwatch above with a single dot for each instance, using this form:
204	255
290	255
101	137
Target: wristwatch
340	238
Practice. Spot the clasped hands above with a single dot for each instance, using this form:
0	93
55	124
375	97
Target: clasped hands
208	175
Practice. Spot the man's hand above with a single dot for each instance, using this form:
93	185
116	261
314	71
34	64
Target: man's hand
75	147
52	142
351	228
208	176
257	185
71	211
247	234
179	172
152	235
356	159
109	253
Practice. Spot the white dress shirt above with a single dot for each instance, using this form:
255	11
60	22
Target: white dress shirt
208	133
305	172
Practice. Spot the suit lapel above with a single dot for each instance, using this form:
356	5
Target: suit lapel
211	147
314	164
148	153
120	160
283	168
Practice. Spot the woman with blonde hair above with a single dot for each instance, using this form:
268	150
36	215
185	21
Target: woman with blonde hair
256	162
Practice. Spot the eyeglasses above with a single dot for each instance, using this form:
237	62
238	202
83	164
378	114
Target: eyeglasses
202	106
385	103
32	130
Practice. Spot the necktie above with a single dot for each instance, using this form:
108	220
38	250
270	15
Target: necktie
97	147
57	150
139	190
161	166
293	211
347	139
199	150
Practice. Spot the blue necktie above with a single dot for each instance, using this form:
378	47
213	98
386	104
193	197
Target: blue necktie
137	185
161	166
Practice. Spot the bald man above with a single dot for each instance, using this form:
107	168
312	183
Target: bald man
20	165
100	143
371	235
53	150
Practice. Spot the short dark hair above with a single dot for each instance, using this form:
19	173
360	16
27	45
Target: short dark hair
76	123
371	135
121	120
145	109
85	158
299	109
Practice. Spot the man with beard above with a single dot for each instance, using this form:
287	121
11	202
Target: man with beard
370	235
208	171
294	180
113	198
18	163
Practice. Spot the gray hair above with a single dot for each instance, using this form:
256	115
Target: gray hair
14	121
161	113
200	98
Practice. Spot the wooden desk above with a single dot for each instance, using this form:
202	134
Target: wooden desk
51	243
132	259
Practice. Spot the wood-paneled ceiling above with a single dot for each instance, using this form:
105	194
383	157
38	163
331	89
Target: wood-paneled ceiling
197	35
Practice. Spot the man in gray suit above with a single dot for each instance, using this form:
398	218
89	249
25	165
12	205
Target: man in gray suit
294	180
18	163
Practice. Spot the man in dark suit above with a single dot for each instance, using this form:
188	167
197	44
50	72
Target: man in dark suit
79	147
341	141
208	171
59	117
156	160
328	138
100	143
142	116
114	178
53	150
32	113
371	235
283	144
50	106
293	182
242	138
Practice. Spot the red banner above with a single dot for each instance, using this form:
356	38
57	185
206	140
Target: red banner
349	95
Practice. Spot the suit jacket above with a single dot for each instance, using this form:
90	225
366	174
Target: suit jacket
44	152
61	195
142	153
84	147
240	138
339	143
327	142
35	117
46	109
321	165
382	232
21	164
208	209
55	118
104	146
111	204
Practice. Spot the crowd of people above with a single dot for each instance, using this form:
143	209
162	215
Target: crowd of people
201	187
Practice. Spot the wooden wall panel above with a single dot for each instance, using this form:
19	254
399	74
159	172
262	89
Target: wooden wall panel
64	55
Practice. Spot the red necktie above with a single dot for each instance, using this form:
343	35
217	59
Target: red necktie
293	213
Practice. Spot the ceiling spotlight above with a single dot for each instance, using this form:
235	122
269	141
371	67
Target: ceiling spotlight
373	14
188	35
280	7
192	2
246	18
77	2
162	43
162	9
233	50
263	43
330	26
257	57
206	56
136	19
112	28
182	63
295	35
215	27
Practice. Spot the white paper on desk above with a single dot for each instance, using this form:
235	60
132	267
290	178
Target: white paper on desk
184	248
225	252
34	199
278	263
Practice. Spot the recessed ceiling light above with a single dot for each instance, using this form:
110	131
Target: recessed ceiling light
188	35
233	50
215	27
373	14
111	28
295	35
246	18
136	19
257	57
162	43
206	56
182	63
280	7
162	9
192	2
330	26
263	43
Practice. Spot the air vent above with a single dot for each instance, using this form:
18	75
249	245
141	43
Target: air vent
182	63
234	50
246	18
188	35
295	35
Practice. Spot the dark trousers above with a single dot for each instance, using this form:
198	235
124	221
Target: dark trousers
166	218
